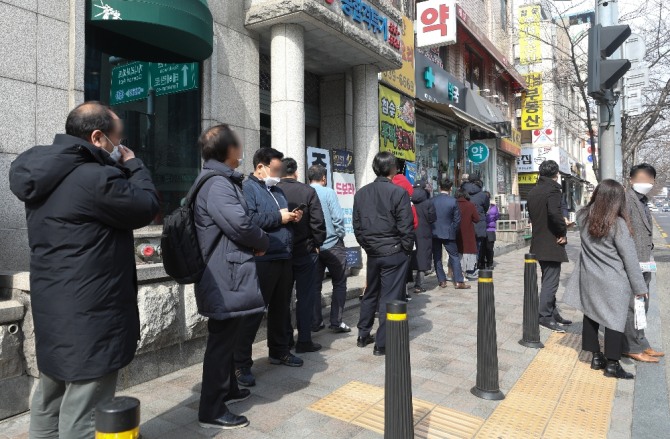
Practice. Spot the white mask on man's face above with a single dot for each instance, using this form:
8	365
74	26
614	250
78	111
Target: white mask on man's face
642	188
115	155
270	181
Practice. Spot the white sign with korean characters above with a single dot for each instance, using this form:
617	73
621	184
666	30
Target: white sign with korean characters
436	23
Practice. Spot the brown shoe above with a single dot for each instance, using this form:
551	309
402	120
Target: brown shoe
443	284
463	286
642	357
653	353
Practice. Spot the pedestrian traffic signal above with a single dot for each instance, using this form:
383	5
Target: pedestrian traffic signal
603	73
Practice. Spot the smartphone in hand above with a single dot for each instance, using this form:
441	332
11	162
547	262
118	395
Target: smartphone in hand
301	208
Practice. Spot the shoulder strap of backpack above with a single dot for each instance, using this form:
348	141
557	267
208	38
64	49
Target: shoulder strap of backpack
190	197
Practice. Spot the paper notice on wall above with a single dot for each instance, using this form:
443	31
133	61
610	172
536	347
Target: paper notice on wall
345	188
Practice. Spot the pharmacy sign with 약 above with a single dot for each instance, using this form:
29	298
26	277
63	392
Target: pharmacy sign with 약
436	23
478	153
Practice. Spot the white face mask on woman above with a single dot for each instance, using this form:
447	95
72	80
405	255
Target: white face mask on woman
642	188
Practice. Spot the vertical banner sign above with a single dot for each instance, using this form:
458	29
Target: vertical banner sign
396	124
345	188
343	161
531	103
319	156
403	78
530	47
410	172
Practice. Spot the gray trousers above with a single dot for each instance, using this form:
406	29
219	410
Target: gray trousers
66	410
551	276
634	340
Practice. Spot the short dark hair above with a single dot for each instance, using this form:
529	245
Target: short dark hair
473	178
446	184
316	173
643	167
548	168
266	155
289	167
384	163
215	142
460	193
88	117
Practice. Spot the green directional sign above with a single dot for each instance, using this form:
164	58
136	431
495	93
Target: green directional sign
174	78
130	82
478	153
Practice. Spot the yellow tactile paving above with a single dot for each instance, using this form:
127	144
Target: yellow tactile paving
363	405
558	396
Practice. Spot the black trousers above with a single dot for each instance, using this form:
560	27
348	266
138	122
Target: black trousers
613	340
386	282
218	368
304	273
335	259
276	282
551	276
486	254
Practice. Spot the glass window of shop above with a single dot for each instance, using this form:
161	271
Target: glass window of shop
436	151
504	175
161	118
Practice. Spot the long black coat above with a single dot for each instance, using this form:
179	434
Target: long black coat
81	210
544	208
229	286
482	202
425	211
310	233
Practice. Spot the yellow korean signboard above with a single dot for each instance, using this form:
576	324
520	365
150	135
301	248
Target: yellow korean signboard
531	103
396	124
528	178
403	78
530	47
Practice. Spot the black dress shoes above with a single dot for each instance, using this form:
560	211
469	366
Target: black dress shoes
241	395
599	361
228	421
552	325
379	352
614	370
561	320
301	348
364	341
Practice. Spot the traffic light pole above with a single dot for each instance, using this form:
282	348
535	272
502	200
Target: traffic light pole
609	116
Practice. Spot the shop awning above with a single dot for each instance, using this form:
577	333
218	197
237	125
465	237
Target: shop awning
450	110
154	30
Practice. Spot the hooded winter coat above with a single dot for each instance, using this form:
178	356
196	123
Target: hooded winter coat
424	233
81	210
229	286
481	202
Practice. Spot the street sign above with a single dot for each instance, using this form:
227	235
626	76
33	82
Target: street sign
478	153
174	78
130	82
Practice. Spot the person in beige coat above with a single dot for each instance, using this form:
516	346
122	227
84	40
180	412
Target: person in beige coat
606	276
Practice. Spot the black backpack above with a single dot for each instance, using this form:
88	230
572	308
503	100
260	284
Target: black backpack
182	259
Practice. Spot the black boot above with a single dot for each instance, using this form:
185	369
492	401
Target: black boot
598	362
614	370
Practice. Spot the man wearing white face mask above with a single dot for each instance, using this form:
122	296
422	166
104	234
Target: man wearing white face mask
642	179
268	210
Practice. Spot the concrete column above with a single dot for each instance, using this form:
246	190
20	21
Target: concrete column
366	121
287	53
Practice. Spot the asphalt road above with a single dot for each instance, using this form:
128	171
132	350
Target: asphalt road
651	410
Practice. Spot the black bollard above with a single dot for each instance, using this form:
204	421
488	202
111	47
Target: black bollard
531	318
118	419
487	341
398	411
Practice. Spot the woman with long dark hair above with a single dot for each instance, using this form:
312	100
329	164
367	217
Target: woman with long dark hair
606	275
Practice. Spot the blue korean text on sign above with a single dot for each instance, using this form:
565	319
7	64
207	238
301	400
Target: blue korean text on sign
478	153
174	78
130	82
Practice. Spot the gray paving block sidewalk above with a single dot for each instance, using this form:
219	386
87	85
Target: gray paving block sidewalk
443	346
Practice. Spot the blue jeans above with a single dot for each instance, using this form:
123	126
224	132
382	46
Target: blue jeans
454	260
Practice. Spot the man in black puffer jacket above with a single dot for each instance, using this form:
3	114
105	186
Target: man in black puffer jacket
473	187
384	226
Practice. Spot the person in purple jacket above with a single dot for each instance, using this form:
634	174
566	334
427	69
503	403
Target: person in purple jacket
486	252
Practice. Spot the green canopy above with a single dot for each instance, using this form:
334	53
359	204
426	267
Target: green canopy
153	30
